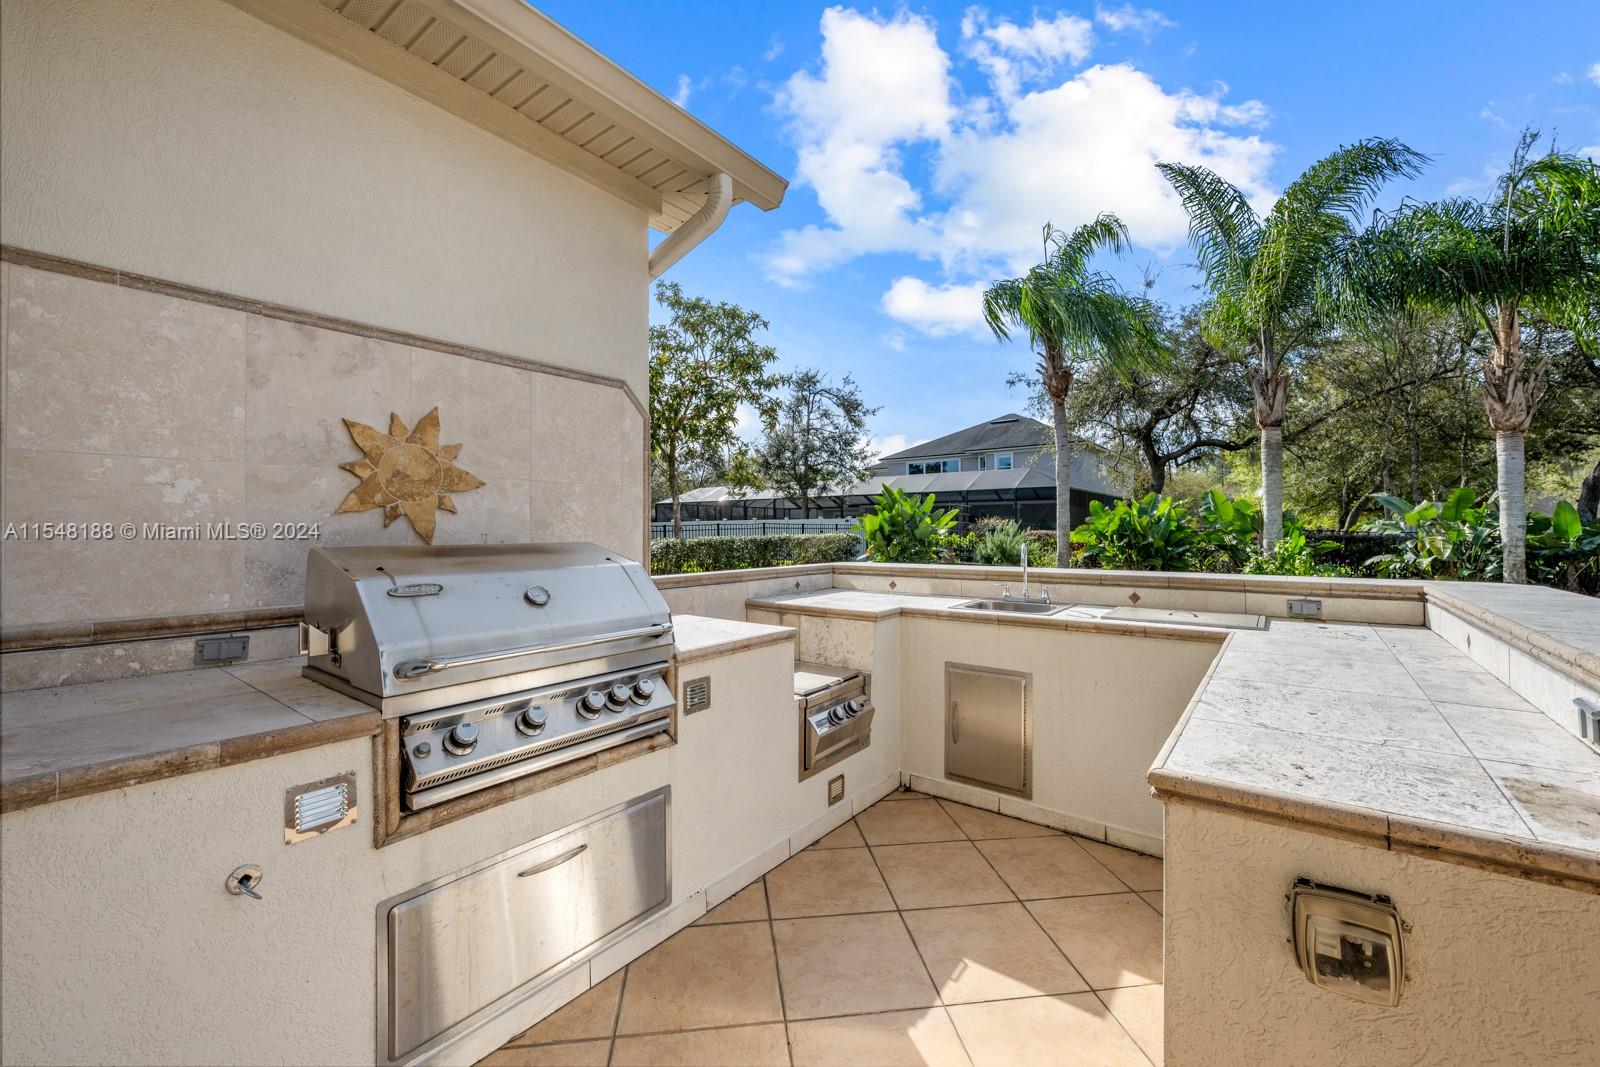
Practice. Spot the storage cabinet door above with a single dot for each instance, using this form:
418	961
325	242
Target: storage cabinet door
986	727
456	949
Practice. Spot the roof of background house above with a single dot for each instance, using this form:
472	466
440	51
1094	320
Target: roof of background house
1007	431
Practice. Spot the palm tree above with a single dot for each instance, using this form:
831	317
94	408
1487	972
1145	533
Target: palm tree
1071	313
1534	247
1265	273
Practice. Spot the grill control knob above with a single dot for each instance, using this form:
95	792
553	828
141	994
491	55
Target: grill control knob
643	690
532	720
462	738
592	704
854	707
837	714
617	696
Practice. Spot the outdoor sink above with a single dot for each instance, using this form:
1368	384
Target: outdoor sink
1020	607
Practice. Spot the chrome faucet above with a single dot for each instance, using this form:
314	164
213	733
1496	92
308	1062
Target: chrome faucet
1024	553
1005	588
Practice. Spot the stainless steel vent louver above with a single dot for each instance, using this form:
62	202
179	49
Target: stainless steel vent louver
315	808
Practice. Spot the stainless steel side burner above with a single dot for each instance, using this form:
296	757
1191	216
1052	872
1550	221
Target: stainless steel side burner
835	711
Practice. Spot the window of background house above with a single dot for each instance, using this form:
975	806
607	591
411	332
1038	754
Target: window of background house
1002	461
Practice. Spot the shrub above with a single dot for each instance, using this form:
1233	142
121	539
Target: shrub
1457	538
1295	555
1150	534
1042	548
1564	551
1232	527
999	544
739	553
904	529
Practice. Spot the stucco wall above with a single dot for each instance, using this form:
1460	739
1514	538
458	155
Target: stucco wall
189	141
121	946
1500	969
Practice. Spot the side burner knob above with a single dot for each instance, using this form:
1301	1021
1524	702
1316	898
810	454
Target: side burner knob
592	704
462	738
837	714
853	707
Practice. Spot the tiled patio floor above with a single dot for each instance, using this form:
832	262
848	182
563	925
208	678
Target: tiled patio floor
920	932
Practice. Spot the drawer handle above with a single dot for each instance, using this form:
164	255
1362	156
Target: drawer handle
955	723
570	854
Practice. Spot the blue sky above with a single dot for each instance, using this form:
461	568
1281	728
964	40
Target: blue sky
927	145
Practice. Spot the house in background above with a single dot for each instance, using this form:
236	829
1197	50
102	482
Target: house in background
1003	467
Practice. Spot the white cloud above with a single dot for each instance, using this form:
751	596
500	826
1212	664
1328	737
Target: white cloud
1563	78
1594	73
774	48
685	88
1012	55
936	310
883	108
1592	151
878	447
1127	18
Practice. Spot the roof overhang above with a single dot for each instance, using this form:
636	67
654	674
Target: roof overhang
511	70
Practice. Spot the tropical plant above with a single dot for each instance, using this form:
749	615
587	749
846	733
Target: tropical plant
1533	247
704	362
1265	274
1233	526
1150	534
904	529
1457	538
818	438
1294	554
1073	314
1001	545
1564	551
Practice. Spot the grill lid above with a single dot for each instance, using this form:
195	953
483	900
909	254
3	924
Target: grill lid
408	618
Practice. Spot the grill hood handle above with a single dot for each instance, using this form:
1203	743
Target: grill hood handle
416	668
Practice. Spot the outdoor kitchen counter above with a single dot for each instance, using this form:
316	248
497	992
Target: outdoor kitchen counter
699	637
1390	736
75	740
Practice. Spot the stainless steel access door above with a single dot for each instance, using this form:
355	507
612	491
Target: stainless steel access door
458	949
987	737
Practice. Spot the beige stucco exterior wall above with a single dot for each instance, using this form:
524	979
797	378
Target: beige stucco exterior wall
1500	968
191	143
114	910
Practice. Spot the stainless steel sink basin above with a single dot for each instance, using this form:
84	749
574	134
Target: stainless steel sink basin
1019	607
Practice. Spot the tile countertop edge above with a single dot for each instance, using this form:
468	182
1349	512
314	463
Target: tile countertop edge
1538	861
31	791
1569	659
754	635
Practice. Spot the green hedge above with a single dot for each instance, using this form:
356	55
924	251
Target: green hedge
739	553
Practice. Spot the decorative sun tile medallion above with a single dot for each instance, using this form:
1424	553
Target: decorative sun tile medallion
406	472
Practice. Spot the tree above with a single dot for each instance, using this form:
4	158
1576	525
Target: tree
1531	248
818	439
704	362
1265	274
1073	314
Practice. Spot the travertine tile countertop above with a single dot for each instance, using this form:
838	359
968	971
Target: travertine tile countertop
78	739
1389	733
698	637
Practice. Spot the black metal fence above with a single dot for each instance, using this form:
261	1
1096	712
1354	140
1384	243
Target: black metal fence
752	527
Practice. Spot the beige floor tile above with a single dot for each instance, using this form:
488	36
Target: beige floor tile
904	822
834	881
981	825
1138	1009
747	905
939	875
746	1046
1156	901
891	1039
593	1014
906	794
1049	867
1113	940
703	976
846	836
849	964
990	952
1141	873
571	1054
1046	1031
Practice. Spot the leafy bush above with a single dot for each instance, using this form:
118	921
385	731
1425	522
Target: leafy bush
999	545
739	553
1232	527
904	529
1564	551
1458	538
1042	547
1150	534
1295	555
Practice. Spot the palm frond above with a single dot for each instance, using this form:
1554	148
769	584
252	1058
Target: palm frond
1223	228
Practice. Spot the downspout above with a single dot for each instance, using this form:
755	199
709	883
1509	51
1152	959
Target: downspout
699	226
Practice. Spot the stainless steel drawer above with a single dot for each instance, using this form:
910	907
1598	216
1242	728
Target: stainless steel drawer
459	949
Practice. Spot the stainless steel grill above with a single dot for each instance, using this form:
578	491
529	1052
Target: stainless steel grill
498	661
